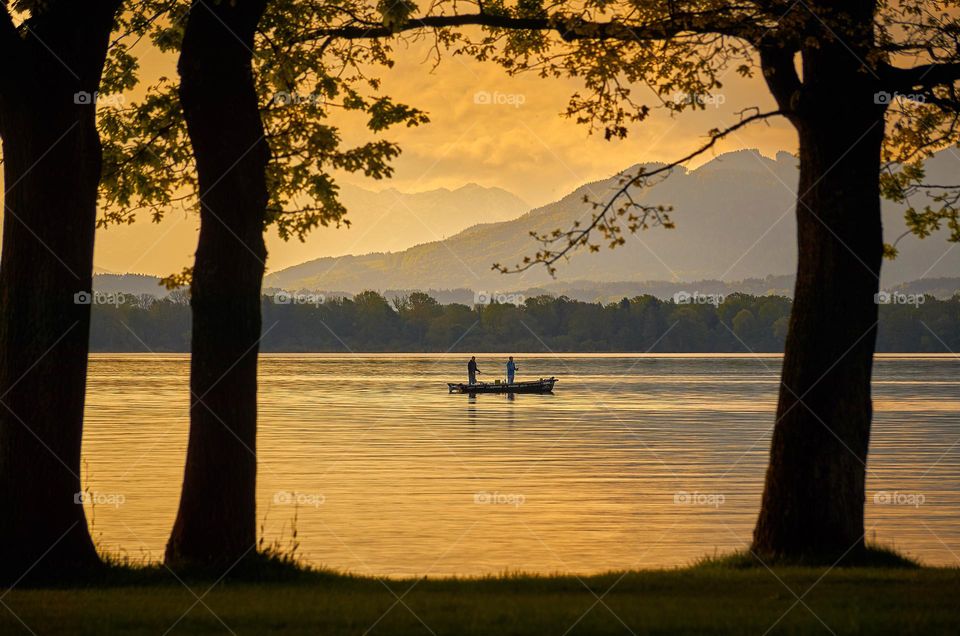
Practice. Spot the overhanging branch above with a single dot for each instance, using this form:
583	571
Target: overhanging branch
925	76
568	27
780	74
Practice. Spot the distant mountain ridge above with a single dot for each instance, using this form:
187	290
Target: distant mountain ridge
734	218
390	220
586	291
380	221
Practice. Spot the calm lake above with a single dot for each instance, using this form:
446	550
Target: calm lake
635	461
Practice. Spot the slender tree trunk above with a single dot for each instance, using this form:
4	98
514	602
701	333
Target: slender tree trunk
216	522
52	160
814	495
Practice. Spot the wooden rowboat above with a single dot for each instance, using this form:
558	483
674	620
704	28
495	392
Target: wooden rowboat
543	385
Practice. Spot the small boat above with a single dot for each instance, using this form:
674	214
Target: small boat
543	385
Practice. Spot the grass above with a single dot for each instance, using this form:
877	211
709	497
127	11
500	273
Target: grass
729	595
873	556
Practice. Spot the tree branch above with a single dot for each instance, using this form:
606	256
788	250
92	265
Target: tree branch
569	28
780	75
923	76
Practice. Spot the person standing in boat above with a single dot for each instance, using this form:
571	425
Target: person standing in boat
472	370
511	370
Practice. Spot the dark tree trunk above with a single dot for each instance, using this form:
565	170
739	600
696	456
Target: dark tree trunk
216	521
52	161
814	495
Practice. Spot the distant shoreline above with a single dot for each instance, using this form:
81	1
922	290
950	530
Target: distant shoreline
599	355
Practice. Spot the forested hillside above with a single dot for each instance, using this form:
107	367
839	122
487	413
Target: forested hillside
368	322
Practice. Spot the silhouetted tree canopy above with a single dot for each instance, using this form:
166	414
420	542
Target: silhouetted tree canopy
369	323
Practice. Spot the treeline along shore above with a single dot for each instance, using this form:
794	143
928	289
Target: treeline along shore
368	322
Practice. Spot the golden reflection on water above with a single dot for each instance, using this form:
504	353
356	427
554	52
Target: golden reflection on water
635	462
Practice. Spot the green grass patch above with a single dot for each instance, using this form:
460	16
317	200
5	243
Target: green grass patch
873	556
713	597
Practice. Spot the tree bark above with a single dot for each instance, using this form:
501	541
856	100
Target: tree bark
813	500
52	162
216	520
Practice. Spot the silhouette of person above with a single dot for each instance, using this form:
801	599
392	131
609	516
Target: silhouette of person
511	370
472	370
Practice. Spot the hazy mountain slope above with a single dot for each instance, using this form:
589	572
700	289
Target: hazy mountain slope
389	220
734	218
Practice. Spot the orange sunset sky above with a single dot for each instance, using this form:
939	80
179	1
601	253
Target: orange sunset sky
526	147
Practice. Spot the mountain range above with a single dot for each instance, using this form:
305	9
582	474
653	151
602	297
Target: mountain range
734	219
380	221
390	220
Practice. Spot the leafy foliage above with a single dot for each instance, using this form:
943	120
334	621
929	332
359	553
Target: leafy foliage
302	81
395	13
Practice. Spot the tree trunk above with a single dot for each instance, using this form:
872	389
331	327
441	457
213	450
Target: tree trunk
52	160
216	521
813	500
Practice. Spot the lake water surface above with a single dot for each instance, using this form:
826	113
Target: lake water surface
635	461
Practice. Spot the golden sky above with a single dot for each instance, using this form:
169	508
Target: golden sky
521	144
526	146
